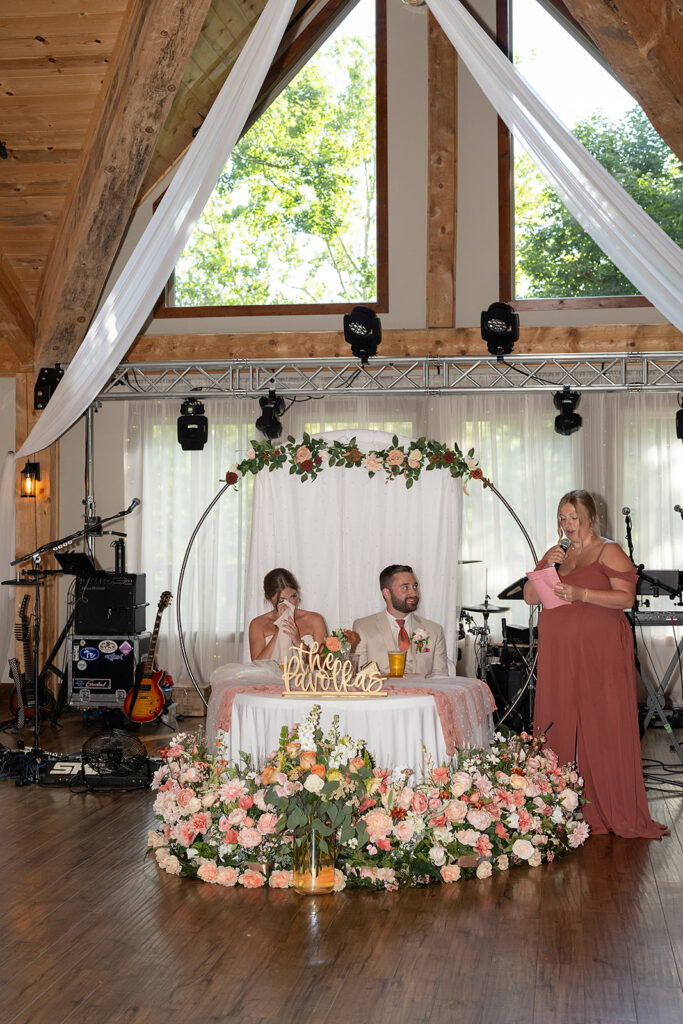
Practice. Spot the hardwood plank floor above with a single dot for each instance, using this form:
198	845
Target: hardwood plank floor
93	932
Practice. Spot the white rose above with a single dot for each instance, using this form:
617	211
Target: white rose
557	816
314	783
503	863
209	799
523	849
194	805
535	860
442	835
484	869
569	800
437	855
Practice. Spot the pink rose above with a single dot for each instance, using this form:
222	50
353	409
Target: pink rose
468	837
184	797
208	872
372	463
479	818
460	783
404	831
420	802
175	751
455	810
302	454
434	803
339	880
226	876
251	879
378	823
384	844
405	798
450	873
267	825
249	838
280	879
523	849
237	816
395	457
246	801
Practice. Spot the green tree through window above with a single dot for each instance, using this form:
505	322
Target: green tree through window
293	216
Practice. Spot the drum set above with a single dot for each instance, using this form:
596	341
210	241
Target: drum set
508	667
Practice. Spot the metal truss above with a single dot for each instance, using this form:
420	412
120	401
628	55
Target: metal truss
244	378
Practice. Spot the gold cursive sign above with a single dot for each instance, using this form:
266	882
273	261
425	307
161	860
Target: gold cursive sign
308	673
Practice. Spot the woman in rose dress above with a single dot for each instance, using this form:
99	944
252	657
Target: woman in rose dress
285	625
586	687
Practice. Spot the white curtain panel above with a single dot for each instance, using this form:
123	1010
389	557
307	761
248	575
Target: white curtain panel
142	279
338	532
632	240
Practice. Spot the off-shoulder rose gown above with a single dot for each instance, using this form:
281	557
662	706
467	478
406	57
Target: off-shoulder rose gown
586	704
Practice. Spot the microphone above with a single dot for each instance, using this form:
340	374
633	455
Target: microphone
677	508
134	504
565	544
626	511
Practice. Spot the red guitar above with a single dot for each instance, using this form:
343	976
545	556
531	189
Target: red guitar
145	701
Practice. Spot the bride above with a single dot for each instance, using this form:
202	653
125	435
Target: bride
273	633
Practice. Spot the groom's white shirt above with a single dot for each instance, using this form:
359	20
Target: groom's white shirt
376	639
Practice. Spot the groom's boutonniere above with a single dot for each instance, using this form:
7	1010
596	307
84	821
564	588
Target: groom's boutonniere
421	640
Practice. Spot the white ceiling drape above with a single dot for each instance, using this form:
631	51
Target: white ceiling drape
622	229
133	295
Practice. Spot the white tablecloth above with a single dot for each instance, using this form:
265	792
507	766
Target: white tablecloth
397	729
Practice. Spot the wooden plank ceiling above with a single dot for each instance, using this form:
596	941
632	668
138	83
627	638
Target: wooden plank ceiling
99	99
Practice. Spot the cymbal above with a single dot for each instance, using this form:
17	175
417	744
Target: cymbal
485	608
469	561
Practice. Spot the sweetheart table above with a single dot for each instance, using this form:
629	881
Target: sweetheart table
431	715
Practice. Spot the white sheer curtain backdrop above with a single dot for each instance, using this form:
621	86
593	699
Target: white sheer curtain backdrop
338	532
622	229
142	279
626	452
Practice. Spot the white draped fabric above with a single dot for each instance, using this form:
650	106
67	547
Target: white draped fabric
336	533
622	229
145	274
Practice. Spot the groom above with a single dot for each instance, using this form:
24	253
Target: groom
399	628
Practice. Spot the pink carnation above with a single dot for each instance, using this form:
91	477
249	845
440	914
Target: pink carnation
232	790
280	879
378	823
226	876
208	872
267	824
249	838
185	833
251	879
201	821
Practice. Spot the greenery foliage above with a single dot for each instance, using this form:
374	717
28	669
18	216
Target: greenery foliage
555	256
292	217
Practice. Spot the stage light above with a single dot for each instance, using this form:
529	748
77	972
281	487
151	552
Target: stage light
30	475
47	380
566	402
271	408
363	332
193	426
500	329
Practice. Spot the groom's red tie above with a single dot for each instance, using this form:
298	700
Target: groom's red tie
403	638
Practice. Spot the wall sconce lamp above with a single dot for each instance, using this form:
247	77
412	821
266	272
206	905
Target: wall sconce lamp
30	475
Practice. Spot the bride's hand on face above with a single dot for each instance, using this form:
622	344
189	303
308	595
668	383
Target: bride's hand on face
289	626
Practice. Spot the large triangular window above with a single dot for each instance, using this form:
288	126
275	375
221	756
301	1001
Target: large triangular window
297	221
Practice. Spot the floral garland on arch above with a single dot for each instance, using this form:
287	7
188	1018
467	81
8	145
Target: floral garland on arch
307	459
483	812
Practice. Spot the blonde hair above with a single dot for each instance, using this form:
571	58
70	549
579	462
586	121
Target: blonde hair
578	498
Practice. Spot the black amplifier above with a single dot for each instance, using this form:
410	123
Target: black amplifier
110	604
102	669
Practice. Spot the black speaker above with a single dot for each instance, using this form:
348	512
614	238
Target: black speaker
110	604
505	680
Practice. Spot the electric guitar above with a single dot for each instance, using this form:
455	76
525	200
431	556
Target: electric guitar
145	701
23	699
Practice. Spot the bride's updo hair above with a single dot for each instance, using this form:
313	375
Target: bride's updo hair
583	499
277	580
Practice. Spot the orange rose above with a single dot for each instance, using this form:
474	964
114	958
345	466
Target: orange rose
268	774
307	758
318	769
292	748
356	763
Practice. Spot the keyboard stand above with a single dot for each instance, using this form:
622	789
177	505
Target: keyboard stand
655	698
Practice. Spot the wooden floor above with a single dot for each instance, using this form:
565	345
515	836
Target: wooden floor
92	932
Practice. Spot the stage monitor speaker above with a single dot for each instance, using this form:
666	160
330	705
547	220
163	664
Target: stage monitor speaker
110	604
505	680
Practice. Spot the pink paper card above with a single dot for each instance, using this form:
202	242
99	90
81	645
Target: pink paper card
544	580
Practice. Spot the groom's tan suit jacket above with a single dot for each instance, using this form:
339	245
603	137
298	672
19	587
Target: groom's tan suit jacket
376	640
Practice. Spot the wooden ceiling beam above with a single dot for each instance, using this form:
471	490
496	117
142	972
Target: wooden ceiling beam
154	45
641	42
16	322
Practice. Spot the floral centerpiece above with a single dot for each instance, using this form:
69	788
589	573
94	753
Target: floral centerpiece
483	812
339	644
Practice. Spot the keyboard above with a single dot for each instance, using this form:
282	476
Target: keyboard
659	618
